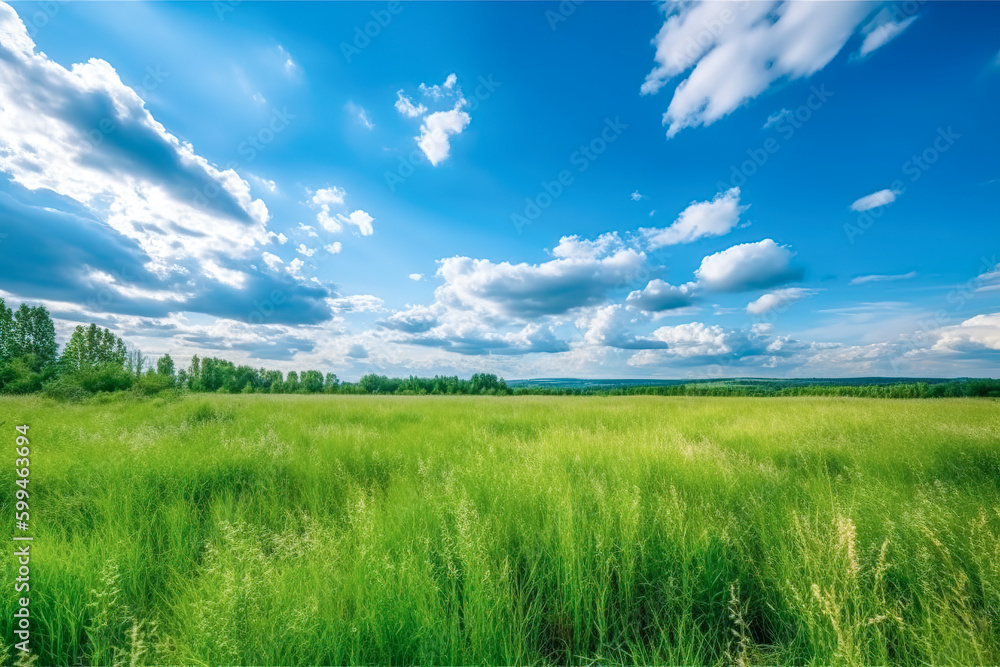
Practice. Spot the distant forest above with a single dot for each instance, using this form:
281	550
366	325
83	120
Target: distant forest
95	360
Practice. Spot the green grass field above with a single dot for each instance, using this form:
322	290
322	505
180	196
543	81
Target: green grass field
340	530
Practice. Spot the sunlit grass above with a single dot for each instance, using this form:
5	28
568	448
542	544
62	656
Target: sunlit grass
285	530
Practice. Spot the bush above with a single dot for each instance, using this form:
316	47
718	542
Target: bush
153	383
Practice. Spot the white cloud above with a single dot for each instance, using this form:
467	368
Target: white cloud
333	248
698	220
582	275
289	64
279	237
748	266
324	198
636	196
416	276
876	278
874	200
360	114
778	300
294	267
405	106
981	332
438	91
272	260
734	52
308	229
303	250
437	130
574	247
659	296
329	196
356	303
776	118
694	339
359	219
881	30
50	136
265	183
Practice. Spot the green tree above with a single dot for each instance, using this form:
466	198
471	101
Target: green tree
165	366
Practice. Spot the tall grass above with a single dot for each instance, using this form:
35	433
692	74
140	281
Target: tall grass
281	530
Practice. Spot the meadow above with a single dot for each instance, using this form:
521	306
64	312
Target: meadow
336	530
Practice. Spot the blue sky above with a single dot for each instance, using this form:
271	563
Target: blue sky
598	190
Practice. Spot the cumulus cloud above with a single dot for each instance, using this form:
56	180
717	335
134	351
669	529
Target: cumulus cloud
611	326
883	29
659	296
303	250
356	303
874	200
405	106
272	260
880	278
81	153
734	52
778	300
698	220
334	248
416	276
414	320
979	333
438	127
325	199
748	266
437	130
361	220
699	344
581	275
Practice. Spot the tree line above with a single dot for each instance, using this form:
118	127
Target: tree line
95	360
